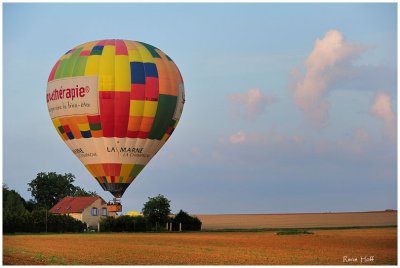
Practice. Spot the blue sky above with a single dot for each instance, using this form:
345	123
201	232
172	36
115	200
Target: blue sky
289	107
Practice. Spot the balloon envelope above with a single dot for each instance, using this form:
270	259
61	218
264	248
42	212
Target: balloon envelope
134	213
115	103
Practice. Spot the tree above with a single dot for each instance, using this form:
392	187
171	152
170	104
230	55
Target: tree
12	200
48	189
81	192
188	223
15	215
156	210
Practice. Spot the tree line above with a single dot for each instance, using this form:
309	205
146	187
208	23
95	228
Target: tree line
47	189
156	215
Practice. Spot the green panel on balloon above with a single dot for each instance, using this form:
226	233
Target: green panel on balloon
60	69
163	119
80	66
69	66
136	170
151	49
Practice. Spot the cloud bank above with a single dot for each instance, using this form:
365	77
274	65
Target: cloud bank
330	60
250	104
382	108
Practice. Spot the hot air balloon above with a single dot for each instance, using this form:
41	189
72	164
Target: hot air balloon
115	103
134	213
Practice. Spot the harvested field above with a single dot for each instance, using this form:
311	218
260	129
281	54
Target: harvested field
298	220
204	248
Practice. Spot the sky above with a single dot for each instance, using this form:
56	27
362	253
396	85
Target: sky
289	107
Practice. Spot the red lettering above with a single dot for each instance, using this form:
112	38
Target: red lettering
82	92
67	93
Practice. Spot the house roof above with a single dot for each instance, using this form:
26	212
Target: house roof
74	204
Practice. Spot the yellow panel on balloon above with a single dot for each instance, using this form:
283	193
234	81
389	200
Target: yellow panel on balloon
136	108
150	108
125	171
145	54
84	127
134	55
107	69
92	65
122	73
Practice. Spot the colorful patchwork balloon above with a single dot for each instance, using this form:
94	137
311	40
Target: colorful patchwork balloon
115	103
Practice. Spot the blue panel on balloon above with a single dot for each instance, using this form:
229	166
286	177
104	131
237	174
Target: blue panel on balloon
97	50
137	73
70	135
86	134
151	70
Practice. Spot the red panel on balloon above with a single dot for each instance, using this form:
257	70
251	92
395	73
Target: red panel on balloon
120	48
121	113
137	91
53	71
111	169
151	88
107	112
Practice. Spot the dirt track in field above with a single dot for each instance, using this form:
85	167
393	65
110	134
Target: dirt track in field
204	248
298	220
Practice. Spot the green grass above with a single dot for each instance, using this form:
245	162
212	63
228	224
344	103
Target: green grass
36	256
294	232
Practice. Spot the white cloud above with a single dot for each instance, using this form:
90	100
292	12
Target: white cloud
330	60
382	108
251	103
274	145
268	138
238	137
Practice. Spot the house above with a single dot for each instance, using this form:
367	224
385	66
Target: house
88	209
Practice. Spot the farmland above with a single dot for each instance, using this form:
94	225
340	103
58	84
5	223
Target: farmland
351	246
298	220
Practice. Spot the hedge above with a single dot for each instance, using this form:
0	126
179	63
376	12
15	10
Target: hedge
35	222
140	224
124	224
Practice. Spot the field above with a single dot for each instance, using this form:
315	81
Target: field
298	220
351	246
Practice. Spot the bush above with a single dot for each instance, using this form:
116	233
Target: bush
123	223
294	232
57	223
189	223
16	222
140	224
35	222
107	224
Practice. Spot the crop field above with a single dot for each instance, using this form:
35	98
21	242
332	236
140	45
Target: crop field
298	220
350	246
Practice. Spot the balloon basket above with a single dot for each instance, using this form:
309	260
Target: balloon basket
114	205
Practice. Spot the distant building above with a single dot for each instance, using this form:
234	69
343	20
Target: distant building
88	209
